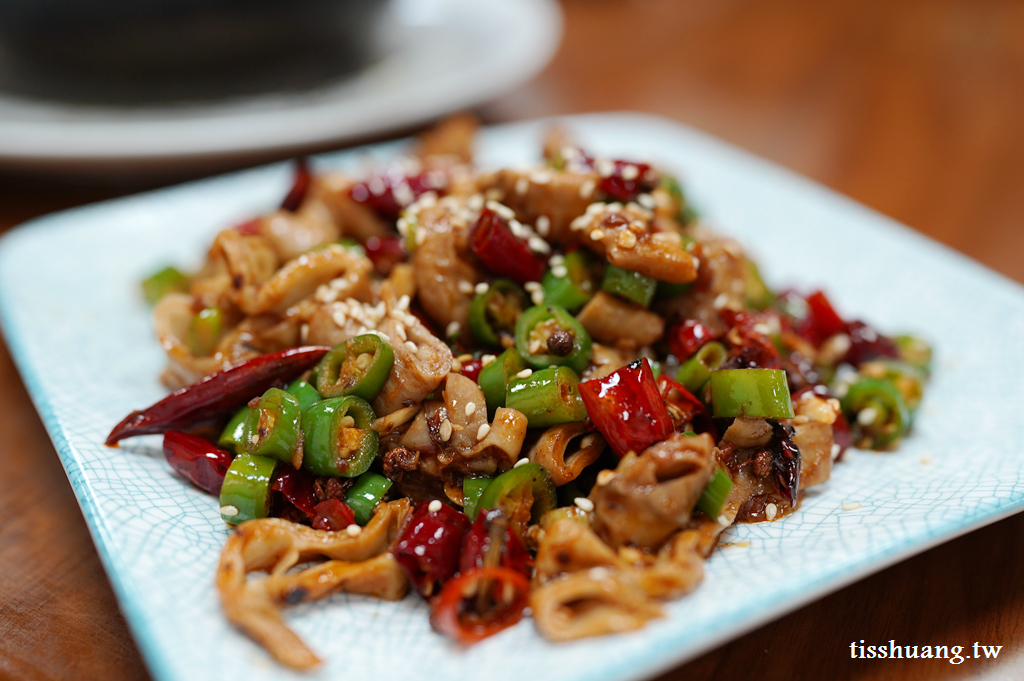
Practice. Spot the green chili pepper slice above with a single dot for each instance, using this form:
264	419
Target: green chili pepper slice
364	495
756	293
204	332
352	246
232	437
915	351
712	499
304	392
665	290
573	290
245	494
472	490
632	286
548	335
686	213
754	393
908	378
696	371
360	366
159	284
547	397
494	313
493	379
524	493
338	438
273	427
877	411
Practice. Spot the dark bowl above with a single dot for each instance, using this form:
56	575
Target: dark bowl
160	51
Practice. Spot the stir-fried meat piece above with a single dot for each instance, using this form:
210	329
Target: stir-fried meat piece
652	495
421	363
354	219
813	436
626	238
605	360
275	545
442	262
617	322
292	234
720	285
451	137
398	461
236	261
550	451
570	545
748	432
557	197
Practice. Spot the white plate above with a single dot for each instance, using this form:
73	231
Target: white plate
82	339
443	55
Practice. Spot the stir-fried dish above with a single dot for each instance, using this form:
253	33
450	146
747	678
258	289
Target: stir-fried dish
549	387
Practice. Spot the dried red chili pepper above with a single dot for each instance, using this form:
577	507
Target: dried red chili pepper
627	408
841	435
684	408
480	603
472	368
391	190
825	319
297	487
491	542
748	347
197	460
300	186
248	228
429	546
687	336
867	344
218	395
333	515
384	253
785	462
502	252
619	188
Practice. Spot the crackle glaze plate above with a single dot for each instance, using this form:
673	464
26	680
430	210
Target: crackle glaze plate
69	290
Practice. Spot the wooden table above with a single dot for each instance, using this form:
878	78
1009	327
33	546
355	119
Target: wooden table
914	108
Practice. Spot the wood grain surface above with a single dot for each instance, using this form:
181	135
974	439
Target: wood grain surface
913	108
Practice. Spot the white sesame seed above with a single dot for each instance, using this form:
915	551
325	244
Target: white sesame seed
403	303
836	448
867	416
465	287
580	223
800	420
613	207
560	271
540	177
377	186
445	430
353	530
721	301
851	506
598	573
537	297
412	346
521	462
403	194
556	260
470	408
596	208
525	373
486	360
588	441
543	225
481	288
420	550
465	357
383	336
538	245
626	239
304	332
482	431
584	504
452	329
502	210
532	286
434	506
926	460
519	230
604	477
762	329
535	346
522	185
605	167
400	331
770	511
475	202
630	172
647	201
723	521
596	235
229	511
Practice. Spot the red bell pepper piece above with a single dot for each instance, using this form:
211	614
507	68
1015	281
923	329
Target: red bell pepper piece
333	515
502	252
497	601
687	336
683	407
478	548
218	395
627	408
300	186
196	459
429	546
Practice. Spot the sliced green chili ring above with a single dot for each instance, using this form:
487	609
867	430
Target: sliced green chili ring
630	285
889	418
338	438
915	351
712	499
754	393
537	328
472	490
686	213
695	372
665	290
204	332
352	246
245	494
360	366
496	311
159	284
232	437
273	427
577	286
364	495
908	378
756	293
547	397
493	378
305	393
524	493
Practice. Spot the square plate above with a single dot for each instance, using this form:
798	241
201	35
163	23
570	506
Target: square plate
69	290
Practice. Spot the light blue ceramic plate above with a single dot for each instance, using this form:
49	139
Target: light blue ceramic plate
81	336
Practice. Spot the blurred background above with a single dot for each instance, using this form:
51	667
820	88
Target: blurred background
913	107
